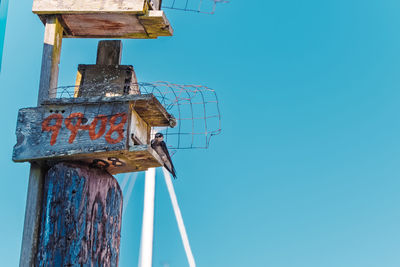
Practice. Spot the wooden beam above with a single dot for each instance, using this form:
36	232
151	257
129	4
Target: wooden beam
50	59
109	52
88	6
48	83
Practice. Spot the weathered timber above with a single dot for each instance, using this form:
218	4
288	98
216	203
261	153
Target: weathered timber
108	133
50	59
32	215
88	6
107	18
81	218
109	52
48	82
146	105
156	24
105	80
107	77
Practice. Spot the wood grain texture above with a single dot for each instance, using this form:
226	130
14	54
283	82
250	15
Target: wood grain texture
108	25
106	80
30	235
81	218
73	6
156	24
149	25
146	105
109	52
34	141
54	132
139	130
50	59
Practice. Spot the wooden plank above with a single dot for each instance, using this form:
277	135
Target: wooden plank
61	131
109	52
88	6
98	134
81	218
156	23
148	25
146	105
107	25
138	130
32	216
50	59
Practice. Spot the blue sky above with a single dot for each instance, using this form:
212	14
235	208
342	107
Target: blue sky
306	170
3	19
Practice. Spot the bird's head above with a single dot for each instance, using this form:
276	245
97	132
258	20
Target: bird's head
159	137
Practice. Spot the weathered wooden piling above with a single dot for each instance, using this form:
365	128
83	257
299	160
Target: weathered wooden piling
81	217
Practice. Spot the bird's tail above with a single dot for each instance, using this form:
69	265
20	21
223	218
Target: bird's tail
171	169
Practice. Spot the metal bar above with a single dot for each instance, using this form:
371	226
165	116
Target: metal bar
179	219
146	243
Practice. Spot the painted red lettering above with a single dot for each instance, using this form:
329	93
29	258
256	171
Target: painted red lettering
92	129
117	128
55	129
74	128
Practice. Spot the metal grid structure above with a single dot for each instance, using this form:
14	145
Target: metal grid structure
199	6
195	107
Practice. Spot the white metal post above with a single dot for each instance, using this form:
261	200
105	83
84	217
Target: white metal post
146	243
179	219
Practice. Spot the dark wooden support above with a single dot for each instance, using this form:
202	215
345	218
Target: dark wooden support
107	77
109	52
81	218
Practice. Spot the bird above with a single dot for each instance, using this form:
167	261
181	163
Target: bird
161	149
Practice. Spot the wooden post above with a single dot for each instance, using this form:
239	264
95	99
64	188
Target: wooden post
81	217
32	216
50	59
47	89
109	52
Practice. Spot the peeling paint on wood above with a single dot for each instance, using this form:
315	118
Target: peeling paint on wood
97	131
107	18
81	218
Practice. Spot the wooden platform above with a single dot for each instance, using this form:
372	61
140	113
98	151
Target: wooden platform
106	18
112	133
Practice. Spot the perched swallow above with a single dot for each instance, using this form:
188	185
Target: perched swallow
160	147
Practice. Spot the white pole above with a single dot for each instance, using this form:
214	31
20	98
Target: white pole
146	243
179	218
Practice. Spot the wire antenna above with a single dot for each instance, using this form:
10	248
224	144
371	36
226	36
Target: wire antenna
199	6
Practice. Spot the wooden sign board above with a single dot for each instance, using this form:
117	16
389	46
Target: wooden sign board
106	18
108	133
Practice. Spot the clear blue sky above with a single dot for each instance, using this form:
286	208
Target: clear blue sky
3	19
306	171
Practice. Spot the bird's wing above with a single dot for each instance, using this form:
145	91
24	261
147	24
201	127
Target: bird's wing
165	149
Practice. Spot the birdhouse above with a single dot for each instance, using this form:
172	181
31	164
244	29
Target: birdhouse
106	18
111	133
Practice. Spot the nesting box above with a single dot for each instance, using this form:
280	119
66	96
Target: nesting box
111	133
106	18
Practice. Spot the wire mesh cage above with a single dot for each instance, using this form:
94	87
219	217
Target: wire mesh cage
200	6
195	108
